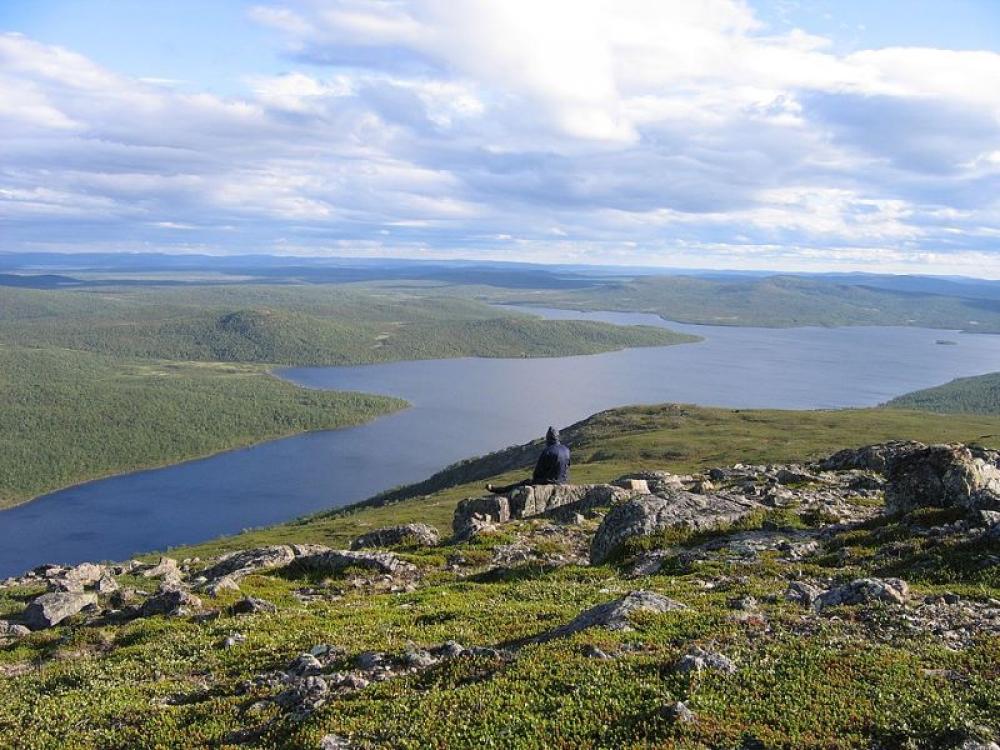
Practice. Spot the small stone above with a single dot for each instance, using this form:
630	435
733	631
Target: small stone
419	659
593	652
165	568
12	630
677	712
334	742
106	585
233	639
699	659
219	585
803	593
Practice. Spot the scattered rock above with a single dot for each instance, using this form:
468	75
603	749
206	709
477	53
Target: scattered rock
75	579
12	630
233	639
615	615
646	515
593	652
677	712
419	534
165	568
171	600
251	605
864	590
334	742
803	593
304	665
106	585
237	565
49	610
699	660
219	585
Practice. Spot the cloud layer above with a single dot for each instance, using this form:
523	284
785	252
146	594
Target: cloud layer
634	131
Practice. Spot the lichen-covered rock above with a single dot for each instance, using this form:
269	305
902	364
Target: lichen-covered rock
166	568
333	561
12	630
49	610
649	514
237	565
169	601
803	593
411	533
251	605
474	514
615	615
698	659
75	578
538	499
864	590
870	457
943	476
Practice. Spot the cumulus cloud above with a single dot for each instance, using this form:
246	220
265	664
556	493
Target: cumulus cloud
638	131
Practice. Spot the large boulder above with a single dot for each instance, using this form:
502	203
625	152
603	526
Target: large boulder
616	614
943	476
411	533
649	514
477	513
49	610
870	457
169	601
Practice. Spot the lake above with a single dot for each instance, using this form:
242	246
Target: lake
465	407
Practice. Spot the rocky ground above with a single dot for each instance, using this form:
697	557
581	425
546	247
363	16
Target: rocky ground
848	603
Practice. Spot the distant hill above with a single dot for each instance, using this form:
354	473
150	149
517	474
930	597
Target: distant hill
976	395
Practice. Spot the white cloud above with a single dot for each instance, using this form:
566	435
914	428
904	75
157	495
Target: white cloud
648	127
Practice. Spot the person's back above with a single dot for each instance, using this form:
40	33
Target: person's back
553	464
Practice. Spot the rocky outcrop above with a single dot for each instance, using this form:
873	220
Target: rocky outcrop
649	514
863	591
75	579
476	514
49	610
418	534
943	476
171	601
615	615
333	561
166	568
236	565
870	457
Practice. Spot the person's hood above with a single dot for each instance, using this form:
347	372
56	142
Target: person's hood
552	436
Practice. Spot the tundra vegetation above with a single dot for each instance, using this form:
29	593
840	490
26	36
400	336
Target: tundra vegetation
818	620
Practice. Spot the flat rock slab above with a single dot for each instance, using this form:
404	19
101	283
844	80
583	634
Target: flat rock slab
615	615
649	514
49	610
333	561
410	533
237	565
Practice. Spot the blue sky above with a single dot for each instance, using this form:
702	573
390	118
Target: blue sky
809	135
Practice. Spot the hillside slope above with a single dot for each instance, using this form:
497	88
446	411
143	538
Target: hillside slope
812	620
976	395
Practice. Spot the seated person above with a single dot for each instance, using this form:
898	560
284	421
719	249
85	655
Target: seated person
552	466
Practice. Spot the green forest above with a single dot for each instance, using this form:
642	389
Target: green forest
976	395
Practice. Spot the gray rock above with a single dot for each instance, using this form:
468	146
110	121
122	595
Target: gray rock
803	593
49	610
475	514
12	630
943	476
233	639
870	457
106	585
334	742
252	605
677	712
333	561
237	565
77	578
169	601
304	665
165	568
217	586
649	514
699	659
304	695
615	615
411	533
864	590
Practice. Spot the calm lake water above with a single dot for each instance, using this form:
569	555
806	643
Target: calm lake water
465	407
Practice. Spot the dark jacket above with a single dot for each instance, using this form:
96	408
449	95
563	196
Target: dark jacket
553	465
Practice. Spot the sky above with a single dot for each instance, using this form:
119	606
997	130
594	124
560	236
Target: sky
794	135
